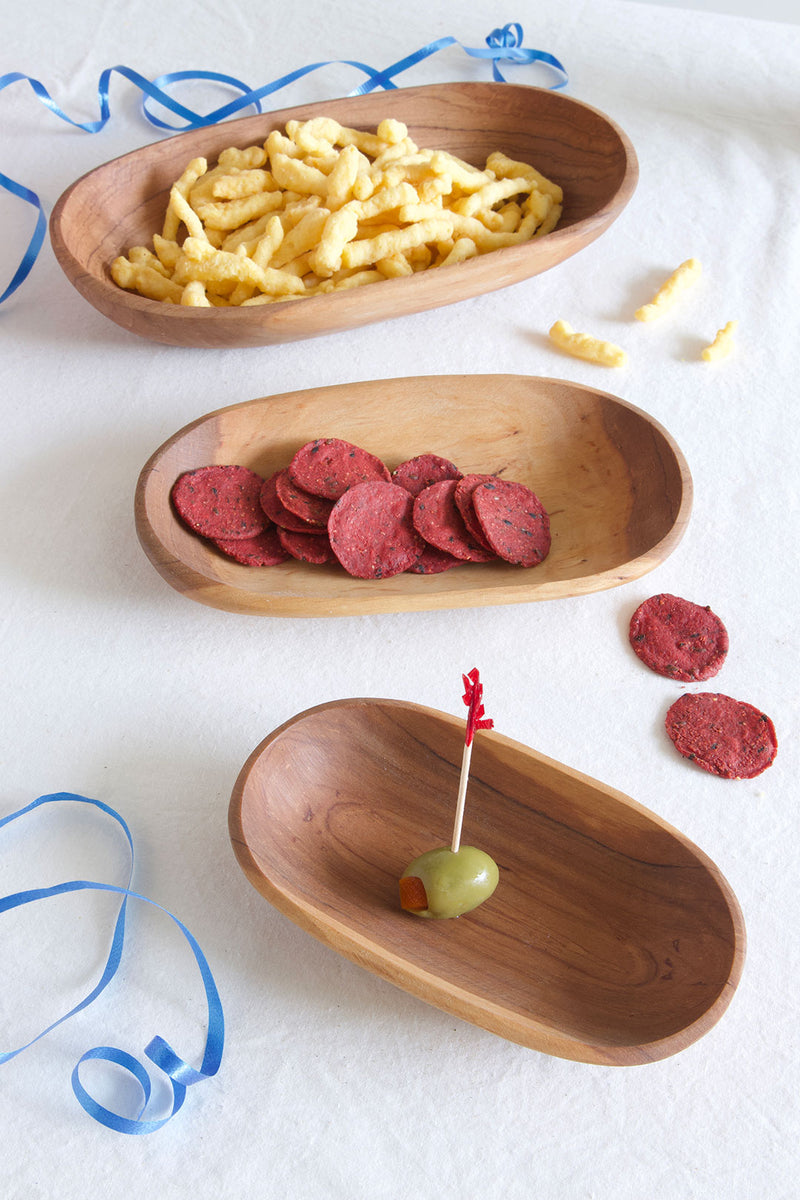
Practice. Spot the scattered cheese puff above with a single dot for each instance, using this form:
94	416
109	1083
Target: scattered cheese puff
722	344
582	345
685	275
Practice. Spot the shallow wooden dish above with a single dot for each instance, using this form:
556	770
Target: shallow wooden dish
122	204
611	938
616	487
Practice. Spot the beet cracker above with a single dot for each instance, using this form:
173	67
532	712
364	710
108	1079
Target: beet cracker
415	474
463	498
371	530
306	547
329	466
276	510
513	521
262	550
678	639
440	523
434	562
220	501
724	736
313	509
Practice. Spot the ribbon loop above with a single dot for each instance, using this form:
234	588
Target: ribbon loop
505	45
165	1058
507	38
179	1073
249	99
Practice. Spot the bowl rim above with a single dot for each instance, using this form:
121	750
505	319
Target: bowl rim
212	590
263	324
527	1030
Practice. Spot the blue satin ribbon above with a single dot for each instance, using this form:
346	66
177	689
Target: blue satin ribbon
35	243
180	1074
502	46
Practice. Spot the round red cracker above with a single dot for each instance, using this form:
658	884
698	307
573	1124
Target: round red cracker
415	474
306	547
220	501
371	530
276	510
726	737
313	509
678	639
513	521
440	523
433	561
463	497
262	550
329	466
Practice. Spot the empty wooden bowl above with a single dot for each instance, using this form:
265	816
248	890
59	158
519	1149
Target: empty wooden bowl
616	487
611	938
122	204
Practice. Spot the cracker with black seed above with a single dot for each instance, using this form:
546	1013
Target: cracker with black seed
678	639
220	501
726	737
513	521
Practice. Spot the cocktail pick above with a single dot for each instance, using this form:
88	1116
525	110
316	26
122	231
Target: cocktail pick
450	881
473	698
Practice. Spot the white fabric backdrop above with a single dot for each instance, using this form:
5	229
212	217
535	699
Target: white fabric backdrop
335	1084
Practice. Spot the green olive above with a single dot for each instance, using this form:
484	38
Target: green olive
455	882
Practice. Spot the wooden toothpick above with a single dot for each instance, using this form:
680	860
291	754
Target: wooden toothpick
473	697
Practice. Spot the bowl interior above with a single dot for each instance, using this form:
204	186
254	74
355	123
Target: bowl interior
122	204
608	929
576	146
615	485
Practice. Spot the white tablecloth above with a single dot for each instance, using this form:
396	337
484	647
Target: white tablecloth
334	1083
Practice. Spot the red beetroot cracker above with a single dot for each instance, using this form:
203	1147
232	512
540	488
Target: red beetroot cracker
433	562
371	530
440	523
513	521
262	550
313	509
277	512
421	471
329	466
724	736
679	639
463	498
306	547
220	501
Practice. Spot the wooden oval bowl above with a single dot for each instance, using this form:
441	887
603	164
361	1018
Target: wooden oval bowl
122	204
611	938
616	487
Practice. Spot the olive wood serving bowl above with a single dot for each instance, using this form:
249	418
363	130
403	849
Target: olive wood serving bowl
611	938
616	487
122	204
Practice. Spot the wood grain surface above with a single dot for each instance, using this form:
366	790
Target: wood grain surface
122	204
611	938
615	484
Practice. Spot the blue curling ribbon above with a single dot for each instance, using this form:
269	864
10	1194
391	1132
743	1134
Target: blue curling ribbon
35	244
180	1074
503	45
